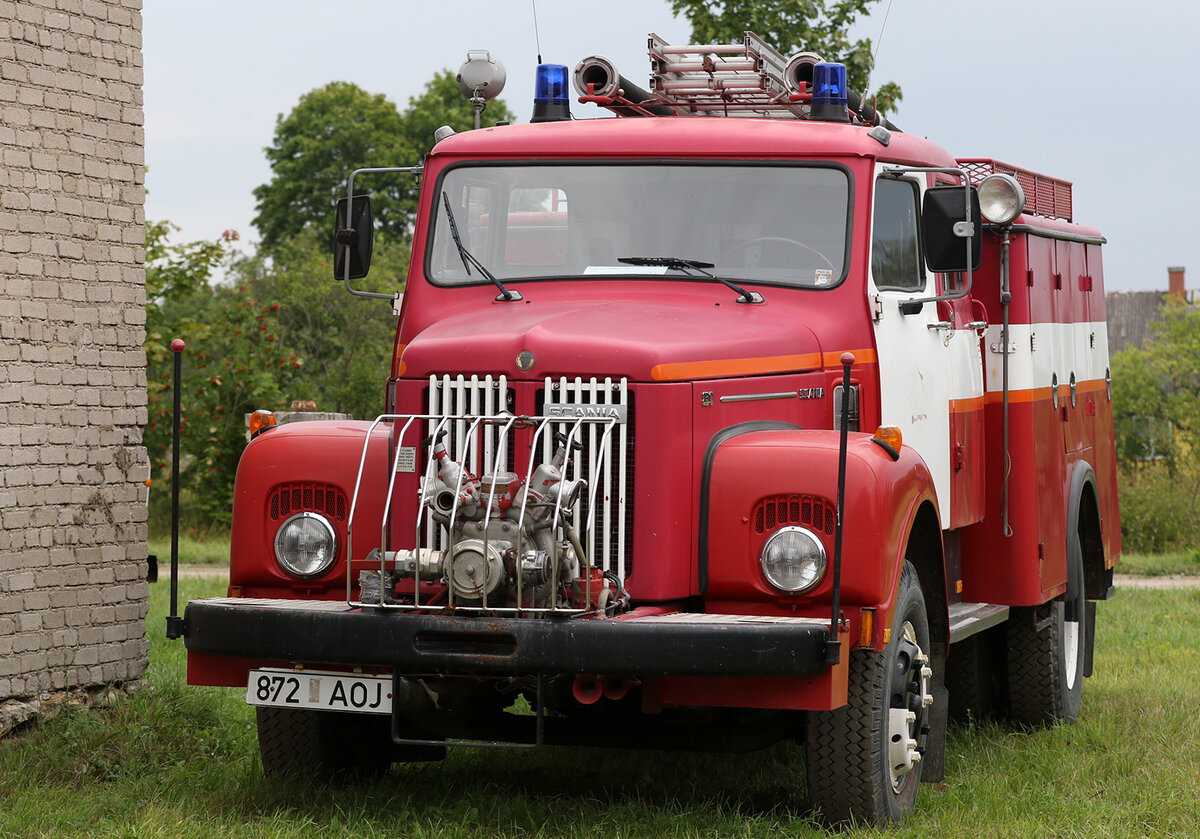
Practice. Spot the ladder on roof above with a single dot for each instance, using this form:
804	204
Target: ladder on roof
746	79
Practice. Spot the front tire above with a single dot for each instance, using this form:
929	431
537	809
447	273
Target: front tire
323	745
863	759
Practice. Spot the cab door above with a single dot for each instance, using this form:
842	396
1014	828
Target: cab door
914	350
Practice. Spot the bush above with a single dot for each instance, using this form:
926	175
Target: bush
1157	509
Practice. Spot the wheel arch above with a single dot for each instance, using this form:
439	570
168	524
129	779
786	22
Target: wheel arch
923	548
1083	517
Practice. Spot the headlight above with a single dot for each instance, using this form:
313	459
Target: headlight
1001	198
305	545
793	559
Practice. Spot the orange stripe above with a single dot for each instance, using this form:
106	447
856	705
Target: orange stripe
1036	394
716	368
966	406
995	397
834	359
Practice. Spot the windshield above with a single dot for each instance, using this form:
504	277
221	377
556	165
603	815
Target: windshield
784	225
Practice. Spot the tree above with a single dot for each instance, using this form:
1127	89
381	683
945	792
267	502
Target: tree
331	131
345	341
234	363
1158	386
340	127
442	103
791	26
1156	418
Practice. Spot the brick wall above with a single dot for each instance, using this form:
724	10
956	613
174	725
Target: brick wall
72	370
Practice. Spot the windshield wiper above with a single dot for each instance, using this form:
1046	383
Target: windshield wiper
468	259
693	268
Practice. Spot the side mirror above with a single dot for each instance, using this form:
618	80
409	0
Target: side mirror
941	212
352	238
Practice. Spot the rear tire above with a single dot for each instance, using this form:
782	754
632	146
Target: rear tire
323	745
1046	665
859	765
975	676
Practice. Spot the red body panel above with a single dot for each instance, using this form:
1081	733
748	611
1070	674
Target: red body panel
882	497
302	455
698	363
1058	299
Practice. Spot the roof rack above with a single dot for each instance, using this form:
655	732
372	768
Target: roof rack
1044	195
746	79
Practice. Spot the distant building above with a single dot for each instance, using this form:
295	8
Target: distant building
1130	313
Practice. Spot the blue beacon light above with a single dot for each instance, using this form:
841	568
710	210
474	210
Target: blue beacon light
550	99
829	92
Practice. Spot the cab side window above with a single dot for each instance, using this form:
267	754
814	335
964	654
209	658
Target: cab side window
895	255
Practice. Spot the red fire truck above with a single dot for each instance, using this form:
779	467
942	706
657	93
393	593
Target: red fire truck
737	416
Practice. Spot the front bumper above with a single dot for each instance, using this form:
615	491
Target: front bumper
671	644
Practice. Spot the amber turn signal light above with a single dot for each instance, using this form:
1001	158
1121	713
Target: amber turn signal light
259	421
889	438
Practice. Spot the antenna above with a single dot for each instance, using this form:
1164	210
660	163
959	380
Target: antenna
875	55
537	39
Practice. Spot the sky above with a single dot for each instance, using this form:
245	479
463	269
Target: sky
1096	92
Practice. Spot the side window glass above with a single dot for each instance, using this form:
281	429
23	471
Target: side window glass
895	256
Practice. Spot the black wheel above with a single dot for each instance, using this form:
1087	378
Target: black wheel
323	745
1046	648
863	760
974	676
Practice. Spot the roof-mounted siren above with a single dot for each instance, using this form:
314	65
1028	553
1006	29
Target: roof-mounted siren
596	80
550	100
829	98
481	78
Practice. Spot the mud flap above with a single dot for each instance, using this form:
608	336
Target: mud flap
933	762
1089	624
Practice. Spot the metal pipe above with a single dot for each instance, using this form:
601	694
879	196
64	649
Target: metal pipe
833	649
600	74
1005	300
174	622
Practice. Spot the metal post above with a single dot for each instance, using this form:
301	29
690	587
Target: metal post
833	649
174	622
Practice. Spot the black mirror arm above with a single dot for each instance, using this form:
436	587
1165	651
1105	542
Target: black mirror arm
965	229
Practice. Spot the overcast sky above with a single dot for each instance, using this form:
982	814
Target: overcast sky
1099	93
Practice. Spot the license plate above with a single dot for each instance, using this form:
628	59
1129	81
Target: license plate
322	691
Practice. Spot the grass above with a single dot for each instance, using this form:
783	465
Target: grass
182	762
199	550
1157	565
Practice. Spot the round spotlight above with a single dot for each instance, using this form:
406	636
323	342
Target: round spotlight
1001	198
481	75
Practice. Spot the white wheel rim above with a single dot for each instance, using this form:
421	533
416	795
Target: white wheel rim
1071	651
903	754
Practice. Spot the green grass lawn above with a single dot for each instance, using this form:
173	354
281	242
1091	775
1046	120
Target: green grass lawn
182	762
193	550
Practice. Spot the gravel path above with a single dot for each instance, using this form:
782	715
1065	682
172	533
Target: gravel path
1167	581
